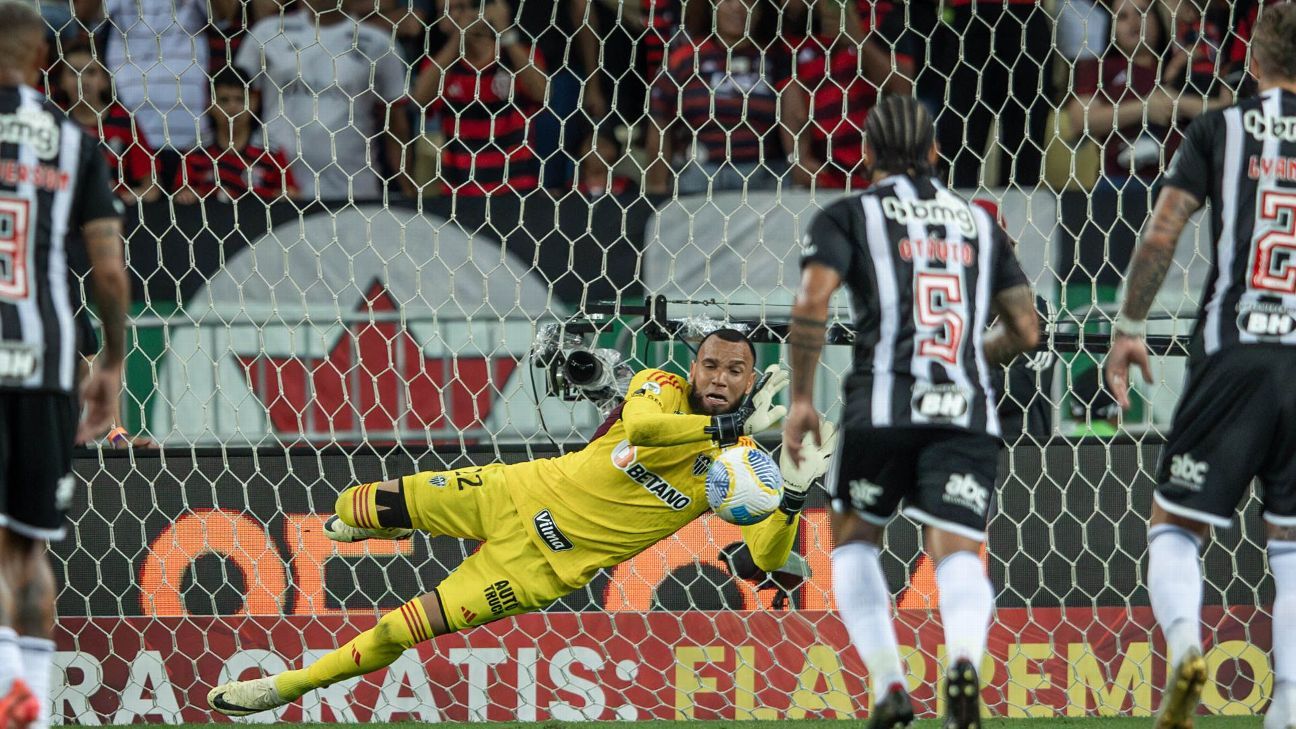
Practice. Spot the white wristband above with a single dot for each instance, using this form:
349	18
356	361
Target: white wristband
1129	327
510	37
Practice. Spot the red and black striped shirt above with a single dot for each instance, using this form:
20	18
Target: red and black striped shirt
1239	40
223	41
233	173
884	22
488	146
130	159
661	21
730	101
840	99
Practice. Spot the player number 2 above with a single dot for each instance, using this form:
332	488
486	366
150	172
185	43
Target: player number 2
1273	265
938	308
15	234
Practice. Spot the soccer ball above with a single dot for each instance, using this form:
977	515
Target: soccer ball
744	485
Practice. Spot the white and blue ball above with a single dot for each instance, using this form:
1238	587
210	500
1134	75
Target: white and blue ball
744	485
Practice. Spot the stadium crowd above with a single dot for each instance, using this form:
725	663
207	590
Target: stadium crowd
354	99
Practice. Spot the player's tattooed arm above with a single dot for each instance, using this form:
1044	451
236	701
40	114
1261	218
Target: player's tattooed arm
103	240
1017	329
808	323
1155	253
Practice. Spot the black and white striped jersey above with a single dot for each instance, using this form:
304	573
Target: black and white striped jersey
1243	160
921	265
53	179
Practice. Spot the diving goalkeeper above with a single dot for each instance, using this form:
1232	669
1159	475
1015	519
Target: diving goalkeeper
549	525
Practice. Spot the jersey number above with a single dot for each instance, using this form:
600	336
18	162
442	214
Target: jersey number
938	308
1273	265
15	237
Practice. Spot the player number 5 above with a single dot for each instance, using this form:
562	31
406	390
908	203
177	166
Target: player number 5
938	309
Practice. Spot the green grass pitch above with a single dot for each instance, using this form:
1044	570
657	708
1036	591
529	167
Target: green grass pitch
1113	722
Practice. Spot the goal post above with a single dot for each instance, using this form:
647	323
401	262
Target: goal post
376	312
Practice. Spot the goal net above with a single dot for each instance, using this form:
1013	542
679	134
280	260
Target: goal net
351	223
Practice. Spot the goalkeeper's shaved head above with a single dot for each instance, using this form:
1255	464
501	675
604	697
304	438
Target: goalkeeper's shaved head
22	42
728	334
722	372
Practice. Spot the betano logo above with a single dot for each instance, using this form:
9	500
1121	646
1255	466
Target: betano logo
624	457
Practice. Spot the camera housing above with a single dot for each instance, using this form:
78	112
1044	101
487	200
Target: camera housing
576	371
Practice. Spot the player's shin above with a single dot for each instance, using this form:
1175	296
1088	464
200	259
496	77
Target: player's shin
864	604
378	647
1175	586
1282	563
966	604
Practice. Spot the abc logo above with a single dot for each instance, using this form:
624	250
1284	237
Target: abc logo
1187	471
964	490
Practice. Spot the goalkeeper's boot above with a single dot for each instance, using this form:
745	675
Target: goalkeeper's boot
893	711
962	696
1282	710
19	707
241	698
1183	692
340	531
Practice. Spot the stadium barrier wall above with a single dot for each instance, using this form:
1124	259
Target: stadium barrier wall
265	324
186	568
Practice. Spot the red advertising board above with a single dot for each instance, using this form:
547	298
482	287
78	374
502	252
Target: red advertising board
628	665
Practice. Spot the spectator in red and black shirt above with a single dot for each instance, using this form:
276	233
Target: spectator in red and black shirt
1246	19
892	45
598	168
486	97
661	22
719	97
83	88
1210	43
1121	102
885	23
827	99
229	24
235	165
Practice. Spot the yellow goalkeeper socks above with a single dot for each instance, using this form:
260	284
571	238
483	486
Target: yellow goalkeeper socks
358	507
368	506
373	649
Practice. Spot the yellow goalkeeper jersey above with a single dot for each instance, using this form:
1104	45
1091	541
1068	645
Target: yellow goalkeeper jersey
634	485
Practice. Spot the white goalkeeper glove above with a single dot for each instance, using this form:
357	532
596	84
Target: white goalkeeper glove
765	414
814	463
757	413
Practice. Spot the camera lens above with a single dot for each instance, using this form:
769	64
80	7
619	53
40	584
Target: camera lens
582	368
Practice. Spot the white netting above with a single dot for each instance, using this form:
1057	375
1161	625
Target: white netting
348	219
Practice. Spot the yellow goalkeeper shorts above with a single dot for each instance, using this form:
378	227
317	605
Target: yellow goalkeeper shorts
508	574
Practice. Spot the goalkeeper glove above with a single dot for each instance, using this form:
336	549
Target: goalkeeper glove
756	414
814	463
